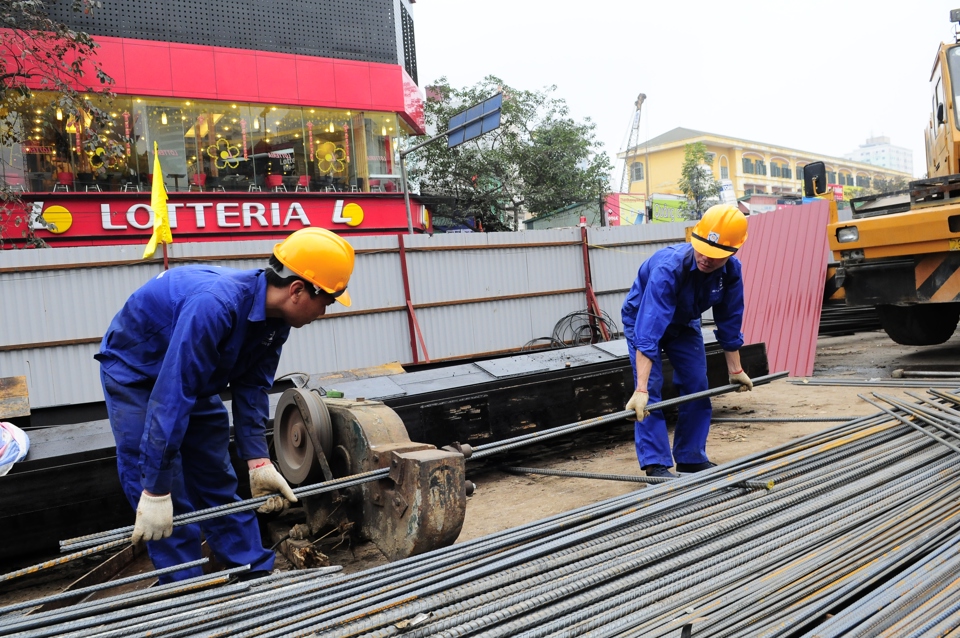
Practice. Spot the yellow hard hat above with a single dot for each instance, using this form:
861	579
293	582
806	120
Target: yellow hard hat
720	232
321	257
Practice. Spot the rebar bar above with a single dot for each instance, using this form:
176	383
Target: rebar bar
587	475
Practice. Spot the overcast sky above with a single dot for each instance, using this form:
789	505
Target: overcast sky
819	76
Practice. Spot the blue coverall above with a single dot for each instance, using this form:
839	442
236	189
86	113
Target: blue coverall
178	342
662	311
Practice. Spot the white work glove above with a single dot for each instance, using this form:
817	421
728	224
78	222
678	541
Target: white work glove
266	480
741	377
154	518
638	403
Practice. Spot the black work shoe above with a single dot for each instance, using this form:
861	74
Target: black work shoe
661	471
688	468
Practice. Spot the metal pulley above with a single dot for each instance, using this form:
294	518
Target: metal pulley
301	425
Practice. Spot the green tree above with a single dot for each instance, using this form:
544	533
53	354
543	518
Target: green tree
39	53
696	180
539	160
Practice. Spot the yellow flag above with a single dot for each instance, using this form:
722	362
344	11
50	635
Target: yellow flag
158	202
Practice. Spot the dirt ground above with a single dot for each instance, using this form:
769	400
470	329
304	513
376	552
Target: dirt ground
504	500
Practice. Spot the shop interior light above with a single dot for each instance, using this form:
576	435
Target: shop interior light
331	127
59	114
383	131
187	103
256	124
163	118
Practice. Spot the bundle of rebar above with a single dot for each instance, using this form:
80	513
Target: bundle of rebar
853	531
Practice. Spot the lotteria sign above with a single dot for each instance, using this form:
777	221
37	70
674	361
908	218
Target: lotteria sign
70	219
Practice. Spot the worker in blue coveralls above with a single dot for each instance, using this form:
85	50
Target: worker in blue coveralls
177	343
662	312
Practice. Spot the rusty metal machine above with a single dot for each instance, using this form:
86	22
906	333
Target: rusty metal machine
418	506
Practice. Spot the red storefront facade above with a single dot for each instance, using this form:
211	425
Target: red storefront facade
252	143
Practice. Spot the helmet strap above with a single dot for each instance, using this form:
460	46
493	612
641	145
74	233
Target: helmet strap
729	249
286	273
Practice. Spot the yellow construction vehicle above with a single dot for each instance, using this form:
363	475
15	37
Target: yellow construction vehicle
900	251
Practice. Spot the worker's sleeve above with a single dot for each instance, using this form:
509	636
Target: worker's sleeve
190	361
728	314
657	306
628	313
251	406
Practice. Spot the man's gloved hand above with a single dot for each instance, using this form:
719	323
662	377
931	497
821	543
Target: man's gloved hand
741	377
154	518
638	403
265	480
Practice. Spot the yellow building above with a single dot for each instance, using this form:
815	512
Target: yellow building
753	167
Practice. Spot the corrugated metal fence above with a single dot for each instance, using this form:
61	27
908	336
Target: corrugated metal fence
471	294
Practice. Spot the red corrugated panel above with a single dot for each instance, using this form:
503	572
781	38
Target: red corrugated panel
784	264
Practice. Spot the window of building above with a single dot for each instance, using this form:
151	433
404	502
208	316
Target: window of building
799	173
636	172
863	182
724	172
748	166
761	168
785	172
832	177
211	144
774	169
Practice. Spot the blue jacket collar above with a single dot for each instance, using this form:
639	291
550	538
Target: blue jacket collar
258	311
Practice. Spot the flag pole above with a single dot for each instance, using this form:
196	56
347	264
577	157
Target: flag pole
166	263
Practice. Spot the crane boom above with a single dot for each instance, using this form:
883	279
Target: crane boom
632	140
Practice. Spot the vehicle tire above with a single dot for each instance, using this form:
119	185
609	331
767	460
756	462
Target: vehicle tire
920	325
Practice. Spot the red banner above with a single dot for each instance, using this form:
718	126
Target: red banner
91	219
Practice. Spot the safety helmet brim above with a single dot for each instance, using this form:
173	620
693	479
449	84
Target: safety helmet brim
707	250
344	298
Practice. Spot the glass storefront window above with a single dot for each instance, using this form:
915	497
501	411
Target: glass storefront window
381	132
331	158
67	150
278	152
217	146
206	144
